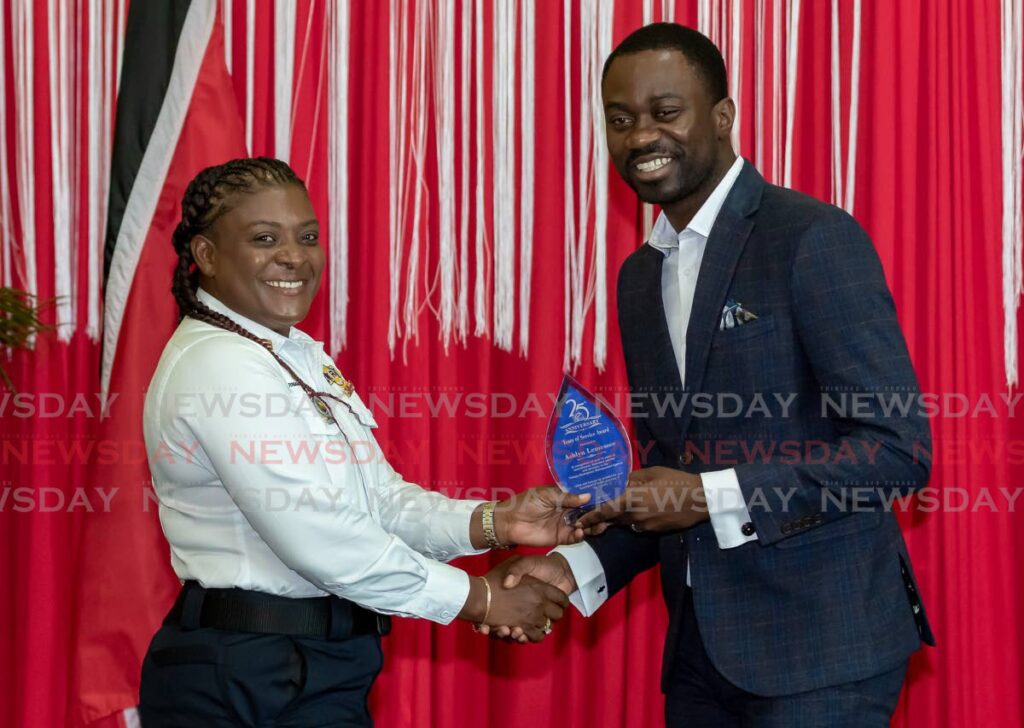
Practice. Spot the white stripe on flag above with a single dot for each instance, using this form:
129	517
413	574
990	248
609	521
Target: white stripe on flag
130	717
138	213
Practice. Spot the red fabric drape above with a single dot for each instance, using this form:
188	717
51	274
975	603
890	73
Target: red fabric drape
928	189
105	654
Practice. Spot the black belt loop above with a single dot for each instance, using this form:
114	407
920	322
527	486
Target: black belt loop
341	626
192	605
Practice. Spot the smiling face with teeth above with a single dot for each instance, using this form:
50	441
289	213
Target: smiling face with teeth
262	257
667	136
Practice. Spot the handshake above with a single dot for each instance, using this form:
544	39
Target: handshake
519	599
527	591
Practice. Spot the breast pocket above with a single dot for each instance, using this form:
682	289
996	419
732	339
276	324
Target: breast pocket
357	409
742	358
741	335
318	415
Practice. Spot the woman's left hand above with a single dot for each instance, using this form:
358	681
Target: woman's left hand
536	517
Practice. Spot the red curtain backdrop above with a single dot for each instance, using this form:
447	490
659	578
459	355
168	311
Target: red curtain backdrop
928	190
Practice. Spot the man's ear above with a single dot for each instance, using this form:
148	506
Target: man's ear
204	252
724	114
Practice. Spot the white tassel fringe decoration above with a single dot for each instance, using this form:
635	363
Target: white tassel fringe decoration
792	56
1012	125
24	93
396	143
527	105
250	62
420	38
226	15
61	96
337	145
481	289
495	205
6	234
504	191
852	122
776	177
98	154
465	78
843	173
284	67
569	231
586	273
603	39
444	133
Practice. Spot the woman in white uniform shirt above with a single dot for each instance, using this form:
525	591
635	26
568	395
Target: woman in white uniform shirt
293	544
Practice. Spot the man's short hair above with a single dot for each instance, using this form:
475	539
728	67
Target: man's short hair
694	45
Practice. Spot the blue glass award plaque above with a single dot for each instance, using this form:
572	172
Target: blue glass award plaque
588	450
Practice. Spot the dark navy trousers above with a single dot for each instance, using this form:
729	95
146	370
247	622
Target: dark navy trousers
216	678
699	696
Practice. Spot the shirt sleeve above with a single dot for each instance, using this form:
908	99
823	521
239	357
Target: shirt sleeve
323	534
428	521
591	584
727	508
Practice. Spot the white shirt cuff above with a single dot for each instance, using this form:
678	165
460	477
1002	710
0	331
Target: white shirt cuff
591	584
443	595
727	508
451	524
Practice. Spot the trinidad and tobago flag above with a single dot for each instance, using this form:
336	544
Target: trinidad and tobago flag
176	113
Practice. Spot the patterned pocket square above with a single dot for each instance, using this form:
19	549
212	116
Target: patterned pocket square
733	315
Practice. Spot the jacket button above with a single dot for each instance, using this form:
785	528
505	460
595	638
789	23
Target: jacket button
747	529
686	458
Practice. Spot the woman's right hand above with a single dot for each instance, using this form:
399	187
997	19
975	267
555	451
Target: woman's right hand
529	605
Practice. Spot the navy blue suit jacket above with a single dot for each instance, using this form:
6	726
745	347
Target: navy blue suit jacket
825	595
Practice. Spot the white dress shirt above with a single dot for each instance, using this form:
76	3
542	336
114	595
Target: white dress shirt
259	490
727	508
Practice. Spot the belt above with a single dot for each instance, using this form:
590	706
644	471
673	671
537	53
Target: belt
242	610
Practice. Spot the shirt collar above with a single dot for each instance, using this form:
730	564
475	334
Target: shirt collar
277	340
665	238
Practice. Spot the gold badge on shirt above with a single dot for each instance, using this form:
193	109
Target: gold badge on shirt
333	376
322	408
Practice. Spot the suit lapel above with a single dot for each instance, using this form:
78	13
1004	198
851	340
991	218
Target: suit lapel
658	374
721	254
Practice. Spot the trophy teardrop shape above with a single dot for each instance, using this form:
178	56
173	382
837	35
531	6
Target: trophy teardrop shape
588	450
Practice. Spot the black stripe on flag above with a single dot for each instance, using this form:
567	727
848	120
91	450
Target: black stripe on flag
151	40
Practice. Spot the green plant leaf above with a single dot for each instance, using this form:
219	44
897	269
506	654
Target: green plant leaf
20	319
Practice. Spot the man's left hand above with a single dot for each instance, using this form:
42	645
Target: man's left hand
657	499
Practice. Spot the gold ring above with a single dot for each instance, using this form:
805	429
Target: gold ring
546	629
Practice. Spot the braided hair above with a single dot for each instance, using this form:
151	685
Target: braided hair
206	199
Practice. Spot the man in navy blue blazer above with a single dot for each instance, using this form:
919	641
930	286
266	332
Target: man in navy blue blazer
762	344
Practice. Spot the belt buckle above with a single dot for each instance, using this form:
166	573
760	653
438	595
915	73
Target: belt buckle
383	624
